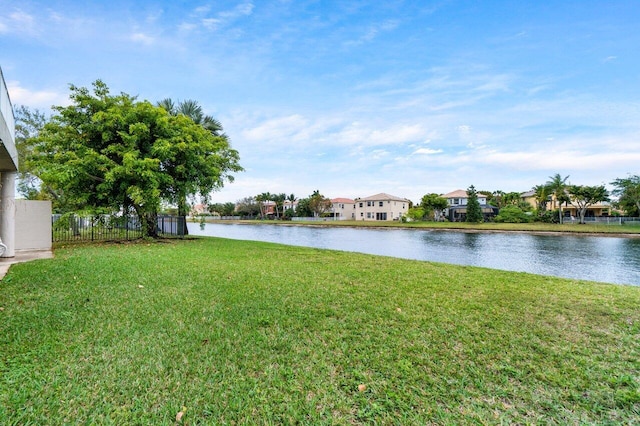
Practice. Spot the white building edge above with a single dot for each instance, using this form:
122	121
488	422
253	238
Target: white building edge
8	172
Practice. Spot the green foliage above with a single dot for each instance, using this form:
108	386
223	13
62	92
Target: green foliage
319	204
247	207
223	209
304	208
584	196
557	186
513	214
415	213
628	192
118	153
434	204
474	211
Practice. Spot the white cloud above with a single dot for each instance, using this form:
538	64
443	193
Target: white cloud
142	38
372	32
42	99
18	22
427	151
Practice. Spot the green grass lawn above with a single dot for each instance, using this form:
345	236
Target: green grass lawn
237	332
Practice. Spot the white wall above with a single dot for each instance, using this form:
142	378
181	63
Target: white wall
33	225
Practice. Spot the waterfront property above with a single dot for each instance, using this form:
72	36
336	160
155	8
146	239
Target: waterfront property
381	207
599	209
457	210
343	209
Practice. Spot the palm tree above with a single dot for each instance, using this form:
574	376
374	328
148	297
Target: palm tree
542	196
193	110
279	200
262	199
557	186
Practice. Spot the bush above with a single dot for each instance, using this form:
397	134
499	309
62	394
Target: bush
513	214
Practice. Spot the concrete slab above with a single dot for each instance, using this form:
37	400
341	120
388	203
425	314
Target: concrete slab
22	256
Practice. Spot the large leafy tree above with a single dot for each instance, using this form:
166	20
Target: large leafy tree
117	153
319	204
628	192
557	186
28	126
191	109
474	211
435	204
583	196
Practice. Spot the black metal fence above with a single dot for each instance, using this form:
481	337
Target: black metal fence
70	227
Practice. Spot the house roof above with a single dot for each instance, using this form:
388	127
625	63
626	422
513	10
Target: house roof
383	197
458	193
343	200
528	194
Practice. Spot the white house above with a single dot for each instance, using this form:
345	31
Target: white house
381	207
343	209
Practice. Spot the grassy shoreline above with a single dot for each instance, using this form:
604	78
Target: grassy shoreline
534	228
246	332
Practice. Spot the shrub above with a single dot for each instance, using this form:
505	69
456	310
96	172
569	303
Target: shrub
513	214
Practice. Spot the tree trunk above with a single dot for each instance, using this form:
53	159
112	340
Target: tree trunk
560	214
149	224
182	217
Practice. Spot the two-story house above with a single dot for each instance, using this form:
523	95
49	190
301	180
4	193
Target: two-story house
381	207
602	208
457	210
343	209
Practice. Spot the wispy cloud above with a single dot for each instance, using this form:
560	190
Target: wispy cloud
371	32
18	22
42	99
202	17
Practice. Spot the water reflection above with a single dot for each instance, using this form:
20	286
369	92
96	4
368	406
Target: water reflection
607	259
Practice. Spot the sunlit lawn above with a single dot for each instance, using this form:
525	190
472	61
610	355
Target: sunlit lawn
232	332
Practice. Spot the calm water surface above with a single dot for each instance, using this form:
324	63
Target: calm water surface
606	259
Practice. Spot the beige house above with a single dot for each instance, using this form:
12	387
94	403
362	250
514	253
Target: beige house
343	209
602	208
381	207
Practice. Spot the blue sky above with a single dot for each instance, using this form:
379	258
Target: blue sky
359	97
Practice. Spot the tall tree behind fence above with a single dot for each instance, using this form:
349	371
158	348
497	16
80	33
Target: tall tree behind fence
71	227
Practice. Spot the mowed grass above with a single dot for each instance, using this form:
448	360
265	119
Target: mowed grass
214	331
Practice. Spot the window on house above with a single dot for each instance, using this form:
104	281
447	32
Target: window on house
360	205
456	201
381	204
368	215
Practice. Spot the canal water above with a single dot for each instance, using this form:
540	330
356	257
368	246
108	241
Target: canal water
607	259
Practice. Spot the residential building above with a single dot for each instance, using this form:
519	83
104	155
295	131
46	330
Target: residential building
381	207
289	205
457	210
343	209
602	208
